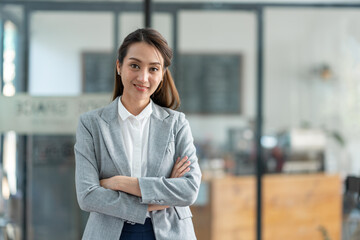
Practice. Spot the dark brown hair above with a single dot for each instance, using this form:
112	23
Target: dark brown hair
166	95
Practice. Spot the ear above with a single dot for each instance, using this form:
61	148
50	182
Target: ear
118	67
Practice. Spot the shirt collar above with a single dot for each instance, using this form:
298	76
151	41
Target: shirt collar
125	114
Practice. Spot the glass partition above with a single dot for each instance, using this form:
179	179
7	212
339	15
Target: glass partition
312	113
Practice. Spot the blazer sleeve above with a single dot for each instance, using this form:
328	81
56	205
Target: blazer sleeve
175	191
91	196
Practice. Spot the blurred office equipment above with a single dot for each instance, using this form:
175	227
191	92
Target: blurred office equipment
293	151
304	149
241	145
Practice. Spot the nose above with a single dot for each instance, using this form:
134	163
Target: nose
143	76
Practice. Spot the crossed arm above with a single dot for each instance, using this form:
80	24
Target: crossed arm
131	184
100	196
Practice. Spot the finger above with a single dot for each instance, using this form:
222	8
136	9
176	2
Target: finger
182	161
173	172
178	164
183	172
184	166
179	167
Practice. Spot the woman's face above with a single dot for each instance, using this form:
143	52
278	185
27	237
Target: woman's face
141	71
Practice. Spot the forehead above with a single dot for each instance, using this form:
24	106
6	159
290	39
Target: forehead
144	52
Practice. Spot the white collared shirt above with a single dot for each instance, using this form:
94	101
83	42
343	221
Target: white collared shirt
135	133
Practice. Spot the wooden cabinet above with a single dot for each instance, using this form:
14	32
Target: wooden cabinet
295	207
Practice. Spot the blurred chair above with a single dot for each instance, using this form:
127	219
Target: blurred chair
352	208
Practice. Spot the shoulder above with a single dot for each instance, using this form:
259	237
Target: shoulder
107	113
177	118
168	112
89	122
91	115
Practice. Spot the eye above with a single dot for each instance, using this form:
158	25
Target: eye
133	65
154	69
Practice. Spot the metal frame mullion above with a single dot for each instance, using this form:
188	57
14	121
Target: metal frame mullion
131	6
259	122
148	13
85	6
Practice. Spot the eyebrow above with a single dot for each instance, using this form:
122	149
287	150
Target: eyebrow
152	63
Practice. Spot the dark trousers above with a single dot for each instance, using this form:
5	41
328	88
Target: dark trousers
138	231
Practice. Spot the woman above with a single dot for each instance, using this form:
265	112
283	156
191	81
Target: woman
136	167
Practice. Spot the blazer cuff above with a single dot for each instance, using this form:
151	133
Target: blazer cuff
138	213
148	196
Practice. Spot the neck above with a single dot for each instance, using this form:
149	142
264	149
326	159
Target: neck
134	107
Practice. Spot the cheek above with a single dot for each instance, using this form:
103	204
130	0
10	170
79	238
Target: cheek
126	77
157	80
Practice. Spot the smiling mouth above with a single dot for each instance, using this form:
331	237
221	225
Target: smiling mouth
141	88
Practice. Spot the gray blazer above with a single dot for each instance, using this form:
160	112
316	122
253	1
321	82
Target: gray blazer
100	153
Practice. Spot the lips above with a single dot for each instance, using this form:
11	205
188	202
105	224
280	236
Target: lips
141	87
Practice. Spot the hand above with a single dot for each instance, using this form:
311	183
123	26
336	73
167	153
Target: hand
110	183
122	183
180	167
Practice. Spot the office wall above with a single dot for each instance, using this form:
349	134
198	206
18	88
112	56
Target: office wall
57	40
162	22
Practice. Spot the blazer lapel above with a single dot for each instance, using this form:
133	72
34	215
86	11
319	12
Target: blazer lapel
159	135
111	132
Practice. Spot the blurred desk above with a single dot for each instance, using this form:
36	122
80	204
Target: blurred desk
295	207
